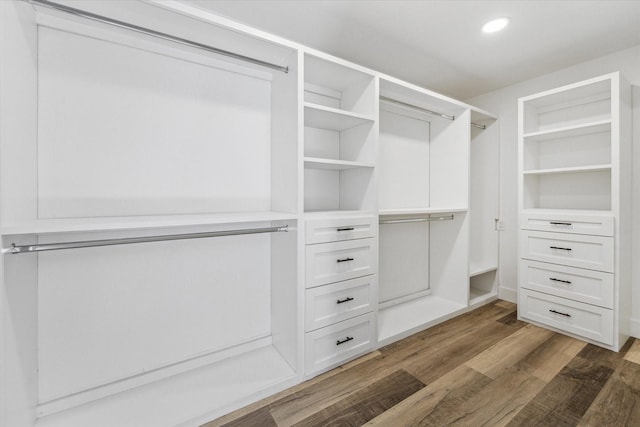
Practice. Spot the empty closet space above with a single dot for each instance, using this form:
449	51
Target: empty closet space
340	134
186	159
423	173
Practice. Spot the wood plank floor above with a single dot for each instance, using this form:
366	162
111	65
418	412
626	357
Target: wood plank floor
484	368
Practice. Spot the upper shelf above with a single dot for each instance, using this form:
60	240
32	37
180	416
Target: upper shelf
577	169
598	126
421	211
319	116
72	225
331	164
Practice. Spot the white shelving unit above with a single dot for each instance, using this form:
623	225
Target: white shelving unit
193	329
574	200
340	136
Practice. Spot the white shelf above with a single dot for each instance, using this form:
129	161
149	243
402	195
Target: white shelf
569	131
319	116
405	319
337	214
577	169
330	164
421	211
544	211
476	270
191	398
477	296
70	225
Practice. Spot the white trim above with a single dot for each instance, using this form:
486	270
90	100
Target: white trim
57	405
634	327
508	294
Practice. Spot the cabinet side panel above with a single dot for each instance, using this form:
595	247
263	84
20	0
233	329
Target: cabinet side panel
18	108
484	197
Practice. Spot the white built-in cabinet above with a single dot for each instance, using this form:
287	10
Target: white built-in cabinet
349	209
575	212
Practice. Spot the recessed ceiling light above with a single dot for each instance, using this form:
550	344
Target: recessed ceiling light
495	25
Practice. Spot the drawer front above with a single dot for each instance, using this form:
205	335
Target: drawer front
574	250
588	321
334	262
567	223
334	230
329	346
340	301
588	286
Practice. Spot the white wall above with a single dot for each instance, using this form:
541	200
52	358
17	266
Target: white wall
504	103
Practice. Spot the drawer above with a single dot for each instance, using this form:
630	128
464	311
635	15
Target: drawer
588	286
329	346
337	261
597	225
588	321
337	229
574	250
340	301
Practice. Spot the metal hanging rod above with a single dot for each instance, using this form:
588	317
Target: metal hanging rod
425	110
154	33
20	249
400	221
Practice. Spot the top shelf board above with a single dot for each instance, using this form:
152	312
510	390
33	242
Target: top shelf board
193	23
319	116
419	97
590	90
74	225
421	211
332	75
569	131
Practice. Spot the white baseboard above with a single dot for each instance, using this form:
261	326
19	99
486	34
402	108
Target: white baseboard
634	328
510	295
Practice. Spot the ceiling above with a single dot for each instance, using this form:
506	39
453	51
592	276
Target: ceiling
438	44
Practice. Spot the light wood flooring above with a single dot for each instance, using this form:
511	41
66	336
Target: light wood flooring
484	368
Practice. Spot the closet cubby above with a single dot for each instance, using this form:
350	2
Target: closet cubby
423	164
340	134
577	106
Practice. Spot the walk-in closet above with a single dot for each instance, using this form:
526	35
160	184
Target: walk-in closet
197	213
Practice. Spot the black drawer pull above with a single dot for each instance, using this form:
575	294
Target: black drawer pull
560	223
558	247
560	280
347	299
347	339
345	229
561	314
344	260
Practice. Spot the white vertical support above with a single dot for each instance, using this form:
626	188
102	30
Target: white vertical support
18	162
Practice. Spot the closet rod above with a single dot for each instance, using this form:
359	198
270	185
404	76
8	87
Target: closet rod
154	33
425	110
20	249
399	221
